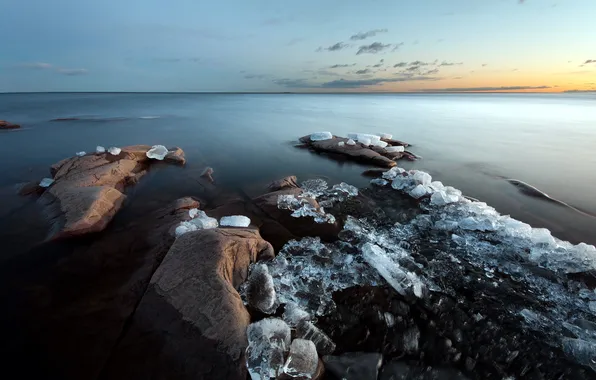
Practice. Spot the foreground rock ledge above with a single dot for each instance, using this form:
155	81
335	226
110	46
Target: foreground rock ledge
87	192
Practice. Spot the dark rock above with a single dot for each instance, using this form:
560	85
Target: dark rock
7	125
357	152
260	292
397	370
191	322
393	142
284	183
175	156
306	330
208	174
373	173
354	365
29	188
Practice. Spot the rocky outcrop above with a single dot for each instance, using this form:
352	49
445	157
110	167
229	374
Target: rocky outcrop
6	125
356	152
191	322
88	190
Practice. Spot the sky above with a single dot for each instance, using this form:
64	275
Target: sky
298	46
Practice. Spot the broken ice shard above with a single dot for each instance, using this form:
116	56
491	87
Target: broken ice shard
365	141
184	227
234	221
392	173
411	339
100	149
314	187
395	149
293	314
46	182
203	222
306	330
419	191
114	151
302	361
268	341
348	189
422	178
157	152
386	136
341	143
582	351
379	181
350	142
260	290
320	136
193	212
81	154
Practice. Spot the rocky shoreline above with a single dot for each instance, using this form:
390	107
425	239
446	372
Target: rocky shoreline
398	280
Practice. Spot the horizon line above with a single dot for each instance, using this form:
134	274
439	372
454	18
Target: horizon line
295	92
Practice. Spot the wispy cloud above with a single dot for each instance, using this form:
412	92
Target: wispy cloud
52	68
335	47
36	65
257	76
293	83
374	48
364	35
477	89
362	72
484	64
590	61
73	72
401	64
444	63
341	65
358	83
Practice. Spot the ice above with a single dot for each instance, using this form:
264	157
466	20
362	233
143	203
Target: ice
320	136
401	182
365	141
422	178
314	187
419	191
260	289
386	136
389	319
478	223
100	149
361	137
379	181
183	228
157	152
288	202
234	221
393	172
411	340
293	314
307	330
381	144
302	361
193	212
203	222
81	154
350	142
542	236
46	182
395	149
114	151
268	341
441	198
341	143
348	189
582	351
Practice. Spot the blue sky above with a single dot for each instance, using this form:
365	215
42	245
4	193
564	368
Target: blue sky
322	45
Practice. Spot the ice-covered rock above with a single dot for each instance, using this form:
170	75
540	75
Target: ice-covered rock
341	143
348	189
365	141
260	290
379	181
314	187
100	149
157	152
395	149
193	212
302	361
419	191
203	222
268	341
582	351
307	330
321	136
380	144
386	136
46	182
293	314
114	151
350	142
234	221
81	154
422	178
184	227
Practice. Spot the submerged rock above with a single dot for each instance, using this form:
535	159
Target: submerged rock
6	125
354	365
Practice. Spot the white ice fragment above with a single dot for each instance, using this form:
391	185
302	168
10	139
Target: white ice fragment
350	142
446	225
203	222
307	330
193	212
81	154
184	227
401	182
365	141
422	178
381	144
542	236
353	136
393	172
320	136
293	314
395	149
341	143
235	221
114	151
100	149
314	187
437	186
46	182
441	198
379	181
374	139
419	191
377	258
386	136
268	341
157	152
260	290
582	351
592	306
472	223
302	361
389	319
352	191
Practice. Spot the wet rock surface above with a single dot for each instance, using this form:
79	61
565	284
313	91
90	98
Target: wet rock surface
7	125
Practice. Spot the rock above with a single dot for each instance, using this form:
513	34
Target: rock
373	173
175	156
191	322
29	188
357	152
354	365
393	142
397	370
208	174
284	183
302	361
7	125
87	191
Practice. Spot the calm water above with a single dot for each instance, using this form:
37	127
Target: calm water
470	141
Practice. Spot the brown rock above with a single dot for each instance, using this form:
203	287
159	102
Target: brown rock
357	152
29	188
395	142
7	125
284	183
175	156
191	322
373	173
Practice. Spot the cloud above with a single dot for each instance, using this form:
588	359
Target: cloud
397	46
431	72
36	65
345	83
590	61
73	72
380	63
476	89
340	65
177	60
362	72
293	83
364	35
484	64
401	64
256	76
444	63
458	77
374	48
336	47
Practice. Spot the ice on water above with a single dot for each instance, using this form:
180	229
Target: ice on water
321	136
114	151
81	154
235	221
157	152
302	361
395	149
100	149
268	342
46	182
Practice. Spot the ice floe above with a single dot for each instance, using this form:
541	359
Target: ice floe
234	221
268	342
157	152
320	136
100	149
81	154
114	151
46	182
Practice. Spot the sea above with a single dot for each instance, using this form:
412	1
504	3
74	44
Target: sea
474	142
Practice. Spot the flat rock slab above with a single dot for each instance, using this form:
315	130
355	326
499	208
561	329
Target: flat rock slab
6	125
357	152
191	322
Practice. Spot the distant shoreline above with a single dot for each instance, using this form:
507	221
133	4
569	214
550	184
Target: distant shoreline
298	93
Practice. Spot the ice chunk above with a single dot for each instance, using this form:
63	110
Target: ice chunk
386	136
395	149
419	191
100	149
411	340
350	142
320	136
183	228
441	198
393	172
193	212
379	181
472	223
377	258
542	236
582	351
352	191
381	144
341	143
302	361
260	291
293	314
203	222
288	202
422	178
437	186
157	152
314	187
268	341
366	136
114	151
46	182
235	221
389	319
365	141
306	330
81	154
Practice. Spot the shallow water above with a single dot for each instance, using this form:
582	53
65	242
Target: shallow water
470	141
